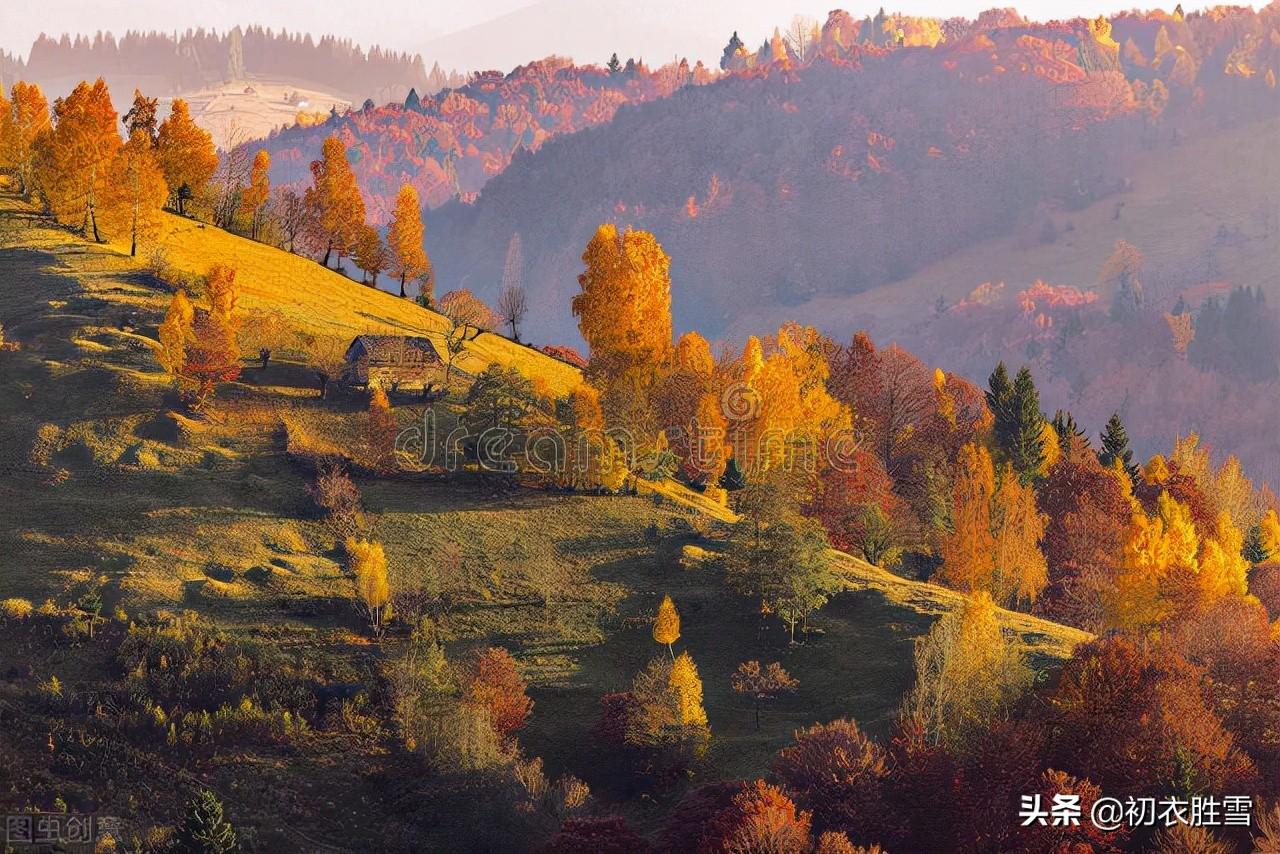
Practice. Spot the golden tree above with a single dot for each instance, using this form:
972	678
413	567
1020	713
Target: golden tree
222	292
175	334
1020	567
666	626
186	153
26	118
135	194
73	159
686	685
335	196
967	673
967	550
370	255
255	196
624	314
368	565
198	346
408	257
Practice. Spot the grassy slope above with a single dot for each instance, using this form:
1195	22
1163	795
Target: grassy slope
180	516
1180	196
327	303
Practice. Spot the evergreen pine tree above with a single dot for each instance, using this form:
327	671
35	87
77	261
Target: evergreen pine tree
204	829
1026	450
1000	402
614	65
413	102
1064	425
1115	446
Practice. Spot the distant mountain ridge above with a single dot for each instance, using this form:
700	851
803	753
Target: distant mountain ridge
166	63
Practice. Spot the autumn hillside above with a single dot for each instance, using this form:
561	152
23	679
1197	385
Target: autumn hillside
324	302
115	496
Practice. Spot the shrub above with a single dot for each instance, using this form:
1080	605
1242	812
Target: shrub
338	499
16	609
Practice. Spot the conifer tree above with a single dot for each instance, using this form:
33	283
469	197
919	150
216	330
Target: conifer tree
204	828
666	627
1064	425
1115	446
1026	432
614	65
1018	428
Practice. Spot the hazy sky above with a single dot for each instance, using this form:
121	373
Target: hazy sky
419	25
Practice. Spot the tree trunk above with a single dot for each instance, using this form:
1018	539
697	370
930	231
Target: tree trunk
402	293
328	250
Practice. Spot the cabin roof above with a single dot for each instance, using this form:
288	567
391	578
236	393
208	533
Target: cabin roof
389	347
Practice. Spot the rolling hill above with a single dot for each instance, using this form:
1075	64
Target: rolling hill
107	490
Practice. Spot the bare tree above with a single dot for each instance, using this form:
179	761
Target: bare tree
289	213
326	355
513	305
802	38
467	317
232	175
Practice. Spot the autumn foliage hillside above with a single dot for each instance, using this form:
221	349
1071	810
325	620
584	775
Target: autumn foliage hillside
790	180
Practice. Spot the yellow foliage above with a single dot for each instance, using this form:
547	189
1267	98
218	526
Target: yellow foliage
135	195
73	159
946	402
404	239
1270	530
967	550
1021	572
368	564
186	152
1223	569
1156	471
175	333
966	673
624	313
666	627
687	687
222	292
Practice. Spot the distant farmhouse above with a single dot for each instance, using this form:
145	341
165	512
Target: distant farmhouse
392	361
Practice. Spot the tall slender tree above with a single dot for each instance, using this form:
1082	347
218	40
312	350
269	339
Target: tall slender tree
255	196
25	120
135	193
1115	446
336	198
404	239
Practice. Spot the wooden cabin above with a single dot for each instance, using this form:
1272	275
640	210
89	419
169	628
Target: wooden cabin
392	361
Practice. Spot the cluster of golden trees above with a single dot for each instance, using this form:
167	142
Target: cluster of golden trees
87	176
74	159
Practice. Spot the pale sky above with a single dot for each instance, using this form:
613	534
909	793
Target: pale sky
489	33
